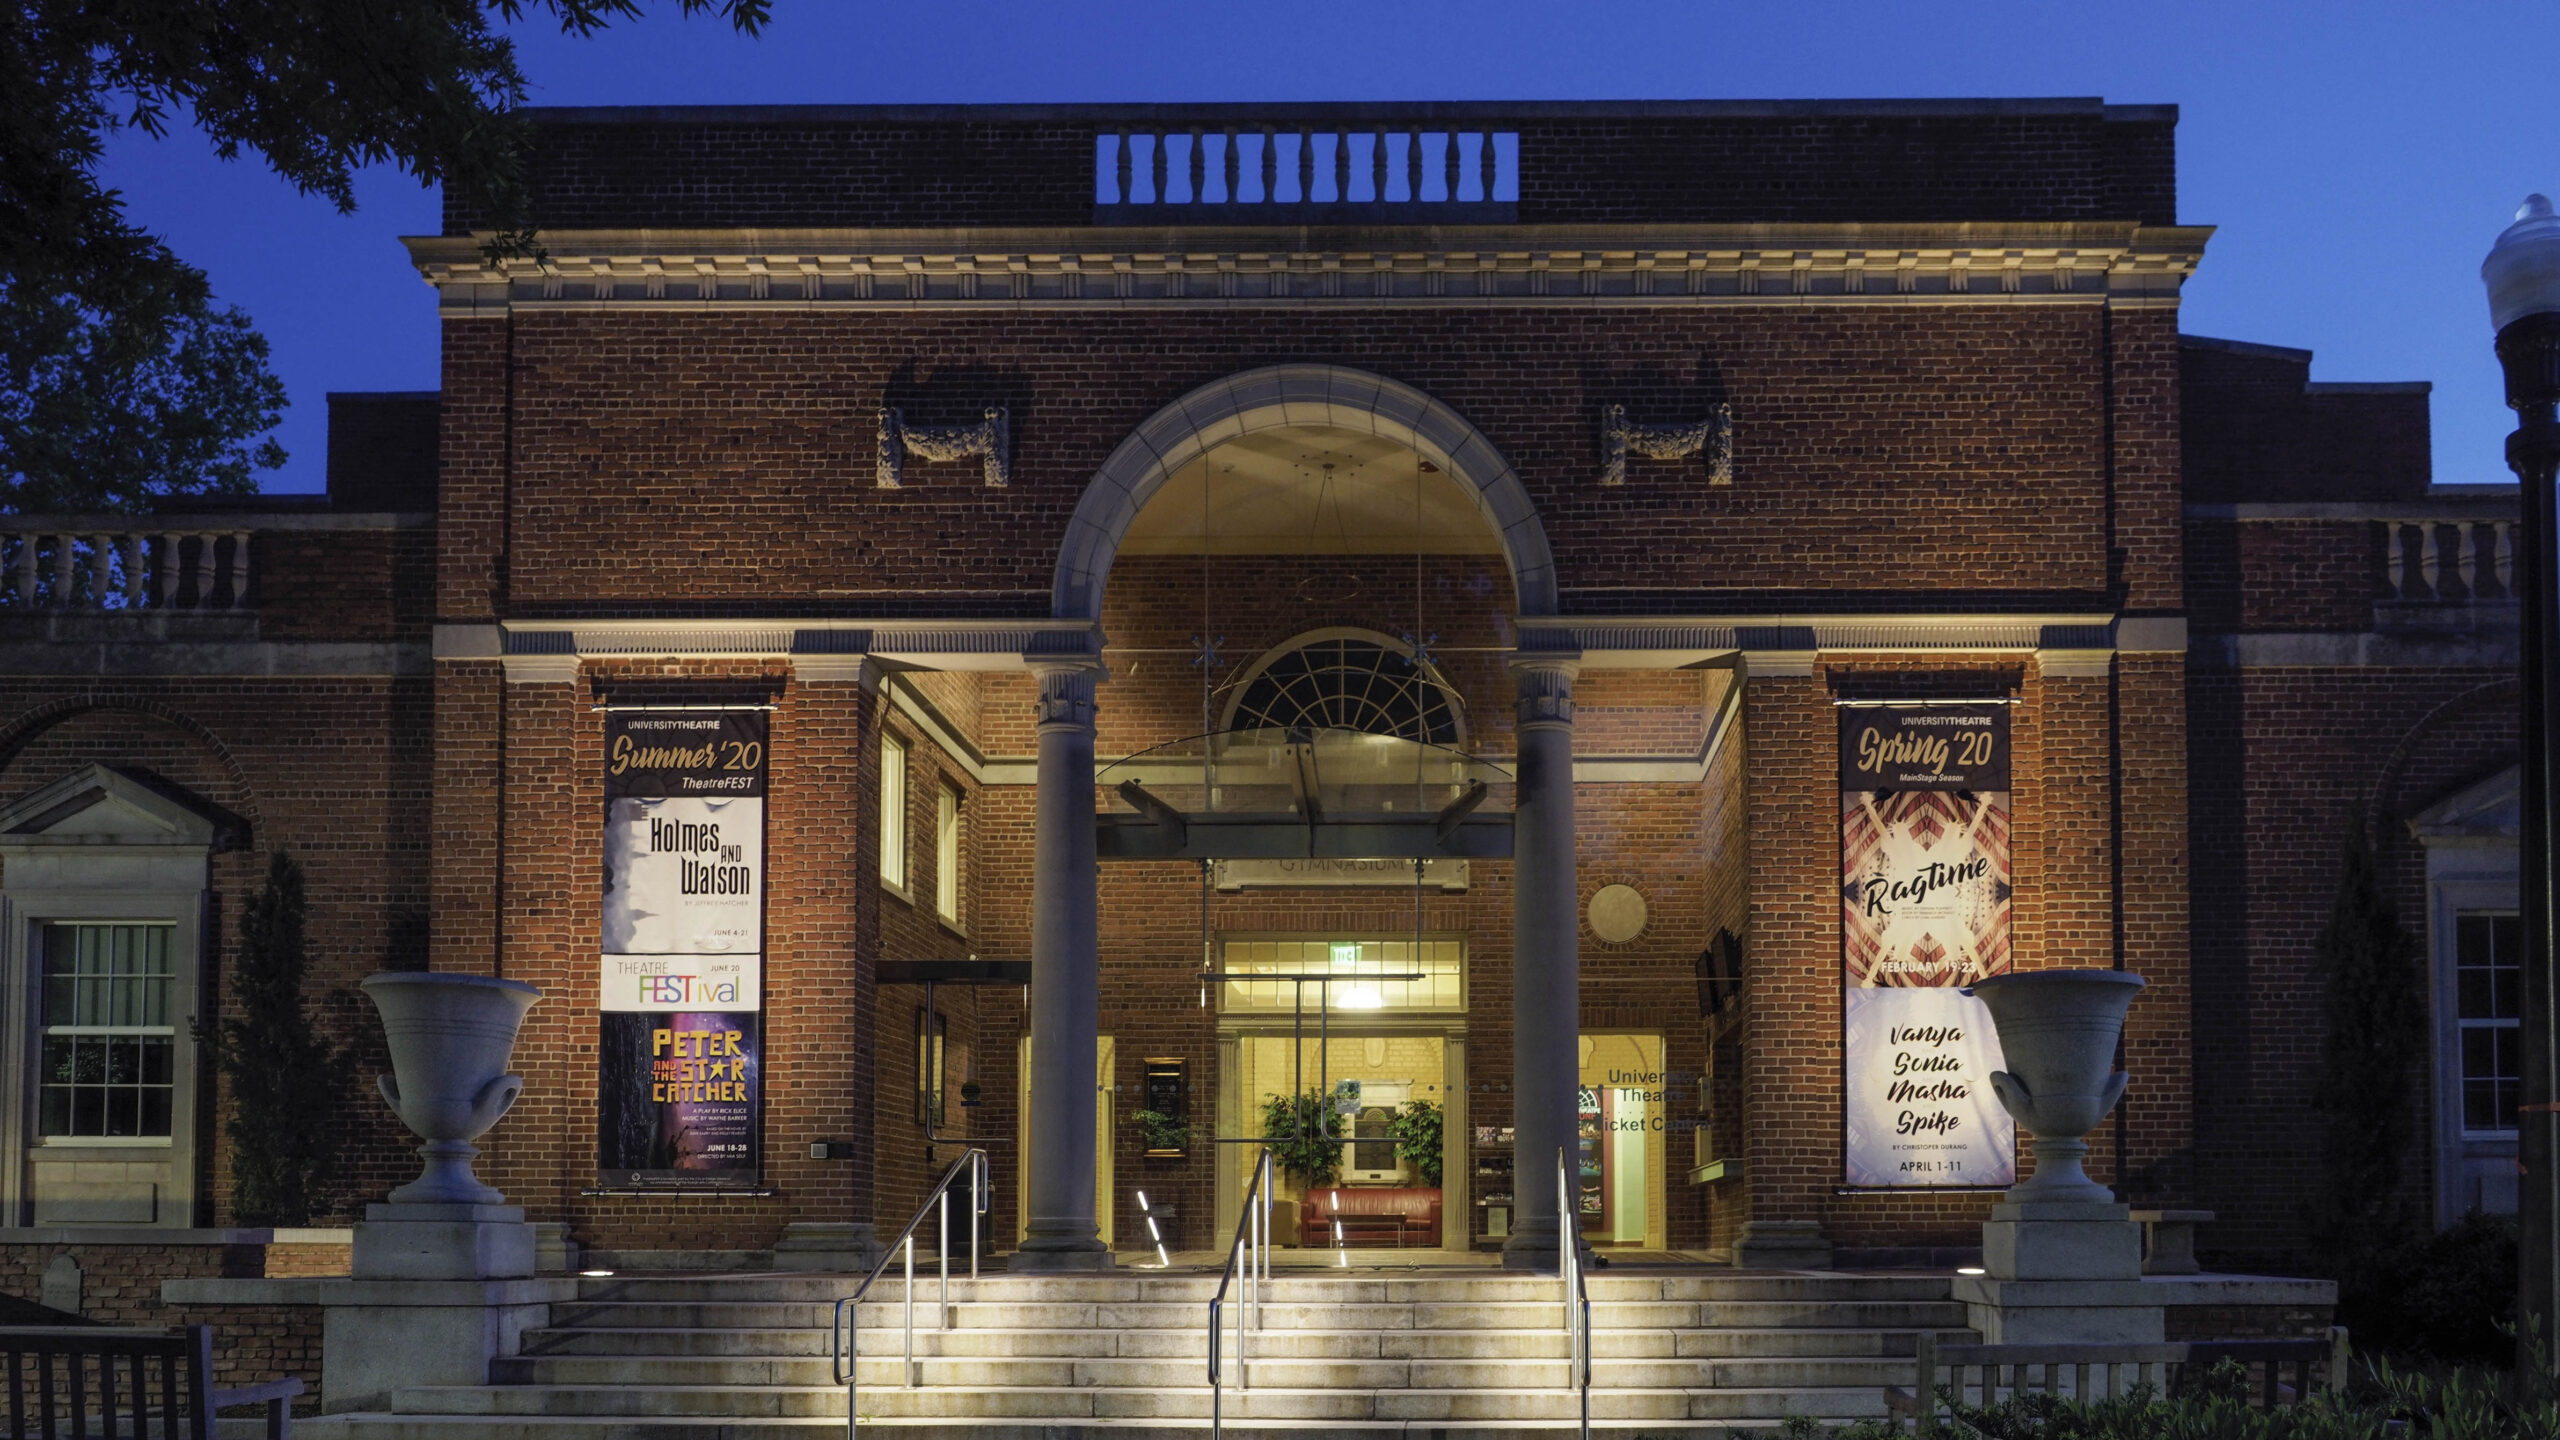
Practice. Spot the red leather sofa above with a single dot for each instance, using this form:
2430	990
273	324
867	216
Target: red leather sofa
1382	1215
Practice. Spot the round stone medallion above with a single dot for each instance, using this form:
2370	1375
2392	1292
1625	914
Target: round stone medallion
1617	914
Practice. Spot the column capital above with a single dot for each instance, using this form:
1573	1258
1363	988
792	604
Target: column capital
1066	691
1545	687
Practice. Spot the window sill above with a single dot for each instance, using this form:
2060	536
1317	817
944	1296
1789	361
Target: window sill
899	892
103	1142
954	926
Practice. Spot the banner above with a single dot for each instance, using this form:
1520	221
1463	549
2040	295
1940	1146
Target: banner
1924	910
680	1055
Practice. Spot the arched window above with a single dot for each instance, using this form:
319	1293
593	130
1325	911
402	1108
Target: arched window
1348	680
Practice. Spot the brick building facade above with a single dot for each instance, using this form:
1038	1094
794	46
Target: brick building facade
1273	381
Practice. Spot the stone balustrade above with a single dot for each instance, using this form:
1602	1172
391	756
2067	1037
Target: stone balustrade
1280	169
68	567
2451	559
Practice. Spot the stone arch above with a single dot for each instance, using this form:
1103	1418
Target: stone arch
1277	395
24	728
2388	776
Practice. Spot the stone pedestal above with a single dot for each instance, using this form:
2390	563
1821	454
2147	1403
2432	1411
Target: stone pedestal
841	1248
377	1336
443	1242
2061	1271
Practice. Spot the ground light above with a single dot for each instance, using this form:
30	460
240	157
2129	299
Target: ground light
1163	1261
597	1274
1969	1270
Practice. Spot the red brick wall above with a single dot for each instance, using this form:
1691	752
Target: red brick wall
333	770
728	477
2282	758
2079	743
120	1285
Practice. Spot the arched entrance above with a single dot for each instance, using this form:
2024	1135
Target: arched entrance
1332	396
1330	408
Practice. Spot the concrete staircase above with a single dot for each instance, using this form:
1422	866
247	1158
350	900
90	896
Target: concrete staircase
1462	1353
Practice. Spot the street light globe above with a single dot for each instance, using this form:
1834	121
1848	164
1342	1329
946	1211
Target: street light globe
2523	268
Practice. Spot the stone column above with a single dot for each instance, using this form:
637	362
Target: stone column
1546	933
1066	984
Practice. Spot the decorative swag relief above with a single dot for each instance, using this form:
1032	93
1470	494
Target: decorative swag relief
990	440
1711	437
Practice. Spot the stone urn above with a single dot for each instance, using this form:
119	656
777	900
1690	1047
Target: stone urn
2058	1034
451	1039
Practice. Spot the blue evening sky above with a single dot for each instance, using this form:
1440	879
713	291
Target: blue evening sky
2357	156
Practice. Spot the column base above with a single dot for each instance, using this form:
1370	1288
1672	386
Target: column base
1060	1259
1782	1245
1533	1246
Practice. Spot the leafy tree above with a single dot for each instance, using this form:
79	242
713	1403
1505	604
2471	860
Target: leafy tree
320	88
286	1082
116	410
2372	1040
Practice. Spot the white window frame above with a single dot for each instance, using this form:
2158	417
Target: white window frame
44	1031
2465	881
894	759
949	851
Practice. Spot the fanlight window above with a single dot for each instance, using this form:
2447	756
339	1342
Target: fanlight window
1346	682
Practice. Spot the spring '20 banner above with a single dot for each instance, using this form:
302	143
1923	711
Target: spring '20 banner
1924	910
681	1048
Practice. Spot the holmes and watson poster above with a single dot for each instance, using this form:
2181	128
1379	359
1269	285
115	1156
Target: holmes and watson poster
1924	901
681	1052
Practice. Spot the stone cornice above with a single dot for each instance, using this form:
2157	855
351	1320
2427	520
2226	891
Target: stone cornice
2116	263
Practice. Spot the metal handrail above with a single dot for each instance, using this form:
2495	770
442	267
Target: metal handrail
1250	1253
844	1332
1577	1294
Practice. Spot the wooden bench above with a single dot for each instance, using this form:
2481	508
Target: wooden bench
64	1384
1985	1374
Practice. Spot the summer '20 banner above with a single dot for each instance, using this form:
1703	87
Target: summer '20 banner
1924	910
681	1048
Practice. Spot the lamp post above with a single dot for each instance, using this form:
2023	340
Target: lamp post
2523	276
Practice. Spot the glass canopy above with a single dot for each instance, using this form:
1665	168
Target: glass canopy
1344	794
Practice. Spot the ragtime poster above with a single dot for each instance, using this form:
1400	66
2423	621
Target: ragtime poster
1924	910
681	1053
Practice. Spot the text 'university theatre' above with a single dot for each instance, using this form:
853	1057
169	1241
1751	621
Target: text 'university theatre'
1533	629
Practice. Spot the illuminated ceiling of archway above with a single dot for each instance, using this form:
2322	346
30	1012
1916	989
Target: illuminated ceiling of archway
1308	490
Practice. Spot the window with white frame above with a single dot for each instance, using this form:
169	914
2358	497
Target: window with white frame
2488	1003
108	1063
893	810
946	854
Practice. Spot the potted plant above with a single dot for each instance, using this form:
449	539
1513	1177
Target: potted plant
1166	1135
1417	1131
1305	1137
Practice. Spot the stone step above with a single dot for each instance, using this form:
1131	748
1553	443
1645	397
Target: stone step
1192	1345
1277	1314
1133	1315
606	1427
1180	1288
668	1403
1265	1369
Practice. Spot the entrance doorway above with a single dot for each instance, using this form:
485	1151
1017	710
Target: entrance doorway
1392	1196
1624	1147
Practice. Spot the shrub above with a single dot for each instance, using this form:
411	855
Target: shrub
285	1081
